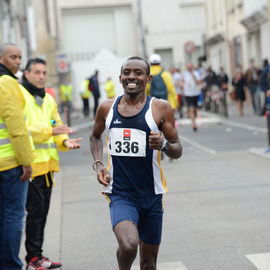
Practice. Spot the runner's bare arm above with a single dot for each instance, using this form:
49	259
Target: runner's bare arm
164	118
96	142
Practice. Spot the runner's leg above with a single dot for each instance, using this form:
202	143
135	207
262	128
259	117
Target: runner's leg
128	239
148	256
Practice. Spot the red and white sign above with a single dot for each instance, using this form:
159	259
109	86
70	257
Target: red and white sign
62	63
189	46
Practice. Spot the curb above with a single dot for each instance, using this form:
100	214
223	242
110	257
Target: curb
262	152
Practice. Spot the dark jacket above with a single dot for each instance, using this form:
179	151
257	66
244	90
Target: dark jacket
263	78
94	82
250	81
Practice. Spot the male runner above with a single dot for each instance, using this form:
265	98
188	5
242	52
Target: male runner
134	181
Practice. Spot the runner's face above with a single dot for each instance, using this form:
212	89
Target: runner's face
11	58
134	77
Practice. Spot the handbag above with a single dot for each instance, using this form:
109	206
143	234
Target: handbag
232	95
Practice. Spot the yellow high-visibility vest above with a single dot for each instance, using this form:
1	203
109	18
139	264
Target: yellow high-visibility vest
86	93
66	92
6	148
41	116
109	87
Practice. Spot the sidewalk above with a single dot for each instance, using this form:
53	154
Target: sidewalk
52	241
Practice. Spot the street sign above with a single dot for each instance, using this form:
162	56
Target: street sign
189	46
62	63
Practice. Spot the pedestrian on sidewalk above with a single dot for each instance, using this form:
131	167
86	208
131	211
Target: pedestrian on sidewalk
252	78
265	82
94	87
162	83
49	134
223	82
239	83
133	181
191	83
85	94
16	156
176	77
66	100
109	88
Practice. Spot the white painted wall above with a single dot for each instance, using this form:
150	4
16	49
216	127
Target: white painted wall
88	30
265	40
218	56
170	24
97	38
254	47
251	6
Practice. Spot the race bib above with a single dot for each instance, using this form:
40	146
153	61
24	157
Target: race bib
128	142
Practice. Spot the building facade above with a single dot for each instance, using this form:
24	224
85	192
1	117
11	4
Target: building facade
174	29
112	30
237	31
78	37
217	45
256	22
28	24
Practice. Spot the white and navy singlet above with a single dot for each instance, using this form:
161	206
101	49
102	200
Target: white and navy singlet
134	168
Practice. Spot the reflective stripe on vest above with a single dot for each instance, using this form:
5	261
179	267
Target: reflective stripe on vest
4	141
45	146
2	126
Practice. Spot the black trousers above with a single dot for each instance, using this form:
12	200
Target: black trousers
37	206
85	106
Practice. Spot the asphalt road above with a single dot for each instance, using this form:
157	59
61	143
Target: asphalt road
216	212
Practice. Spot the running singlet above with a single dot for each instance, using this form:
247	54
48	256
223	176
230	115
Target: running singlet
134	168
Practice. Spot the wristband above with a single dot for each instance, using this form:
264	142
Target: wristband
94	166
165	146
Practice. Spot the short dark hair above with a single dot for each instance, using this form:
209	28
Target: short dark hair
140	59
34	61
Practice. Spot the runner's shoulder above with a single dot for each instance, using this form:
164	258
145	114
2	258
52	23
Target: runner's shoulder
106	104
161	104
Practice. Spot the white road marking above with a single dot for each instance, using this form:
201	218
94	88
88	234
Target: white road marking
198	145
199	121
260	152
260	260
244	126
235	124
166	266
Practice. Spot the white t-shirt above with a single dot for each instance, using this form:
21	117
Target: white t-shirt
191	89
176	80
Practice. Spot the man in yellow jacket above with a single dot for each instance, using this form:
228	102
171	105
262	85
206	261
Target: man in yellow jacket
85	94
66	101
49	134
109	88
16	156
162	84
